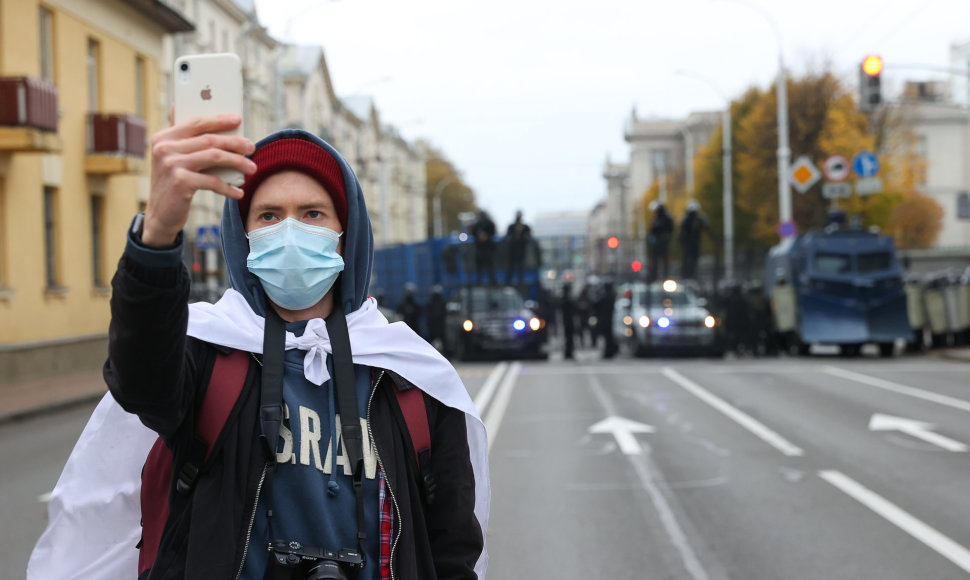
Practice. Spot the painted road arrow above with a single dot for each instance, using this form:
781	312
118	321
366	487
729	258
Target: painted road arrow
919	429
623	430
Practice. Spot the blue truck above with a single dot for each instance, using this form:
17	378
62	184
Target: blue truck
446	263
841	285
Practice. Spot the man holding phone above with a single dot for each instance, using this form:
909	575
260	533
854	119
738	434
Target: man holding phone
298	245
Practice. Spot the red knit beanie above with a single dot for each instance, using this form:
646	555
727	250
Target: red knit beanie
297	155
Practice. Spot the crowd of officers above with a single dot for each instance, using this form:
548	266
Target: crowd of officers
586	316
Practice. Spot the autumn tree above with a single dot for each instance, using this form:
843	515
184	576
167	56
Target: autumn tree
824	120
456	196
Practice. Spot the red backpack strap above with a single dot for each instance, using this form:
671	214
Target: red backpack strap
411	401
225	385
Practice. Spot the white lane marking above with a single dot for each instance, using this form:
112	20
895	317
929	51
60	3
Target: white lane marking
897	388
641	464
914	428
488	389
739	416
495	414
622	430
903	520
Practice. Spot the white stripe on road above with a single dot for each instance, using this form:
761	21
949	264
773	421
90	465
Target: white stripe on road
897	388
493	419
739	416
949	549
649	481
488	389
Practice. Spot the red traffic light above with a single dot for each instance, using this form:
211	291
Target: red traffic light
872	65
613	242
636	265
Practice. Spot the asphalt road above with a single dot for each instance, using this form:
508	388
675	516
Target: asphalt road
749	469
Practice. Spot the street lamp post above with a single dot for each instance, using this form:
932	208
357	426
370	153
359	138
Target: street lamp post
784	151
727	193
436	198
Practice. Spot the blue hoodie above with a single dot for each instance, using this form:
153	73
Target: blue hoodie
313	497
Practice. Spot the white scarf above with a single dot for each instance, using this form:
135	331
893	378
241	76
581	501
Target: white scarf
94	510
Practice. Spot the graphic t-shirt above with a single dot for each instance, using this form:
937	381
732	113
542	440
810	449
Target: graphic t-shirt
307	508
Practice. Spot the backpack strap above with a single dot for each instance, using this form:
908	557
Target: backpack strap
411	401
225	385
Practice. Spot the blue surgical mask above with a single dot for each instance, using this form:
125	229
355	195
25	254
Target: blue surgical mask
295	262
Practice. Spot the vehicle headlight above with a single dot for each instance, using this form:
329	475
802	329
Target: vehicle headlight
709	321
468	325
518	324
644	321
535	323
663	322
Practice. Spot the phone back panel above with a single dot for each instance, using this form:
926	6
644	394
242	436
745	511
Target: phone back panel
210	84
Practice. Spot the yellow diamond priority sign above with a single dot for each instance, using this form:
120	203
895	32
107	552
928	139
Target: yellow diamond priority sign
804	174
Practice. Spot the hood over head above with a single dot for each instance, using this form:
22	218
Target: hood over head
293	149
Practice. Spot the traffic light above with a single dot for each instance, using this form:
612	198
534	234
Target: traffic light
870	83
636	265
613	242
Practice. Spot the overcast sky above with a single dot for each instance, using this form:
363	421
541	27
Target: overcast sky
529	97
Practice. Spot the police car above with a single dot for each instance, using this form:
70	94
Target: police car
664	317
493	320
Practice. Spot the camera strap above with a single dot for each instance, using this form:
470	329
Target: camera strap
271	407
346	386
271	400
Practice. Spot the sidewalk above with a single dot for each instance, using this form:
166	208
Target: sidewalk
34	397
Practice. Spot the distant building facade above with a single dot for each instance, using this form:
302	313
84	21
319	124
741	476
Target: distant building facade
73	169
86	83
941	133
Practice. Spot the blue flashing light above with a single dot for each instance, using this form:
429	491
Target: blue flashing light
519	324
663	322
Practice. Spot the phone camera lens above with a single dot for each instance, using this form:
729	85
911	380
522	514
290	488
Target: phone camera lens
184	67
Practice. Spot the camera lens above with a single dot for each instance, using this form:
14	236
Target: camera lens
327	570
184	67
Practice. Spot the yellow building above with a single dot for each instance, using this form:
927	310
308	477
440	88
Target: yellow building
79	96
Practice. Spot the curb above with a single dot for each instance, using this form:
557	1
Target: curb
48	408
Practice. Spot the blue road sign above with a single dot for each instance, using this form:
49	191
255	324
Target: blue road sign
207	238
865	164
787	229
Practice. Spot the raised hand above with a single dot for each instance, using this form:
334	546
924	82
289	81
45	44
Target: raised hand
179	155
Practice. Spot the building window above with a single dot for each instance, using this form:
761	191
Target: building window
923	150
963	205
3	241
140	86
46	37
97	241
50	231
94	56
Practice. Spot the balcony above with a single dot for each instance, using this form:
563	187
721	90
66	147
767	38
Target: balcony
28	116
116	143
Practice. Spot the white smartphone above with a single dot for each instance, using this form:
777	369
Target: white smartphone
210	84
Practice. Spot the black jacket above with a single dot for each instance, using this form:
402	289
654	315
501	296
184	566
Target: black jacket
155	371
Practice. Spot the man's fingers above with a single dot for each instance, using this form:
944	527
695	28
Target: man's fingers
193	181
210	158
200	125
231	143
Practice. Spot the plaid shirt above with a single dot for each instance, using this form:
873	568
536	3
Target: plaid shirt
386	525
